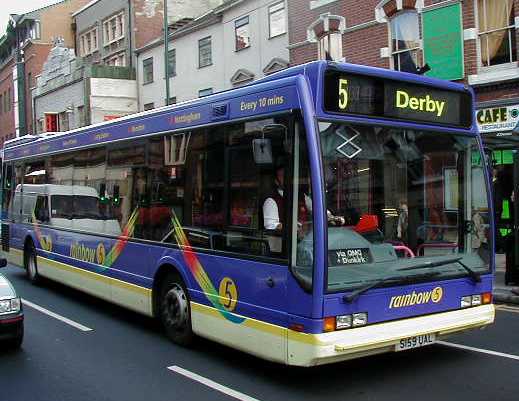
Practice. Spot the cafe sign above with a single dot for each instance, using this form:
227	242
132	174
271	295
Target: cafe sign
503	118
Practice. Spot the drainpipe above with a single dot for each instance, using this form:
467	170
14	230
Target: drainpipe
166	47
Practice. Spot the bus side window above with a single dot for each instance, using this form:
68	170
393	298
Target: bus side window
41	210
15	202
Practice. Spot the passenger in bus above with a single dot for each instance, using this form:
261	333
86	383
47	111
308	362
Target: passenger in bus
274	210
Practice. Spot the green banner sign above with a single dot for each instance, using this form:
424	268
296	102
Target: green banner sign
443	42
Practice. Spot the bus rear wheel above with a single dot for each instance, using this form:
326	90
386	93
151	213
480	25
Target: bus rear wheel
31	266
175	311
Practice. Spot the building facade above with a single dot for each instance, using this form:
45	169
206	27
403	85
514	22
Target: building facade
23	50
474	42
71	93
7	126
231	45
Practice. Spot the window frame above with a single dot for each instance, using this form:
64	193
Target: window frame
509	36
116	22
147	62
172	66
270	13
200	91
418	49
94	44
114	60
209	43
238	24
327	39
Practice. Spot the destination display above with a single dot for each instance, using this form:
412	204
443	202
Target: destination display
356	94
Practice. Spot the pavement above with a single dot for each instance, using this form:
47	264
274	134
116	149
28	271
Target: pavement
504	293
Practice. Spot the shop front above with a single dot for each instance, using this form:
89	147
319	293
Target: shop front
499	128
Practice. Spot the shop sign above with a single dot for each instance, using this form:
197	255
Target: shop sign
502	118
443	42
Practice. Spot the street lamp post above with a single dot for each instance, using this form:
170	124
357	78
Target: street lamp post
166	52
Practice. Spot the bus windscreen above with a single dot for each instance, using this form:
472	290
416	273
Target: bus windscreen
346	93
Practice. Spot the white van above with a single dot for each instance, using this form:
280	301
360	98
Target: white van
65	206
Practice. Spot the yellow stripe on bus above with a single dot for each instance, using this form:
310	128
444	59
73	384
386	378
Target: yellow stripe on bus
262	326
96	276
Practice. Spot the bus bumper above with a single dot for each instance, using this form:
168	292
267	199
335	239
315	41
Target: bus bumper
319	349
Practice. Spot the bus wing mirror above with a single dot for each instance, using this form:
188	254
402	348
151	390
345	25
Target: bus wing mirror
3	262
262	150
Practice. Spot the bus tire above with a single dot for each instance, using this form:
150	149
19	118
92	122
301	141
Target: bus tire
175	310
31	266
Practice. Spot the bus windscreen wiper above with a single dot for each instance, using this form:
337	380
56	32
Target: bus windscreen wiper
355	294
472	274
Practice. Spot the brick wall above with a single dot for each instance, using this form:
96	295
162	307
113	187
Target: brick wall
148	21
56	21
362	46
35	56
7	130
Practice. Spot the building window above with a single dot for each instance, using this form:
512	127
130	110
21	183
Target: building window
205	56
88	42
496	32
277	20
8	100
330	47
35	30
147	70
242	33
51	122
172	100
81	116
63	122
172	63
113	29
149	106
119	60
405	41
205	92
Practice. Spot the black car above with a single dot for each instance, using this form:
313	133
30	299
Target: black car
11	313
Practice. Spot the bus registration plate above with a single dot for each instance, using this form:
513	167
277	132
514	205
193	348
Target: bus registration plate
415	342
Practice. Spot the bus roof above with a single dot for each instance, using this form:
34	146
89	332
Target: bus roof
273	94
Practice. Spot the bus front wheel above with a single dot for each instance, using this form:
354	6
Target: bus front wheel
175	311
31	266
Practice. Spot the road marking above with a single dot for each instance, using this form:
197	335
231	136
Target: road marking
209	383
507	308
483	351
56	316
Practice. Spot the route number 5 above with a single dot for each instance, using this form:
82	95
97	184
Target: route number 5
343	93
228	293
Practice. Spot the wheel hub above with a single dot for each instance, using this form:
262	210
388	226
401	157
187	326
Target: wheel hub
175	308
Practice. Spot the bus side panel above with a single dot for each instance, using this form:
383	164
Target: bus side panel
15	253
93	265
236	302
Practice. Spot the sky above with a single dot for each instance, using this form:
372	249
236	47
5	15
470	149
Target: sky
8	7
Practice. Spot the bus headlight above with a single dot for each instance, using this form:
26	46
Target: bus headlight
466	301
343	322
360	319
476	300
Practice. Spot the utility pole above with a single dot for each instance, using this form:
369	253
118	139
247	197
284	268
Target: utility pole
166	47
